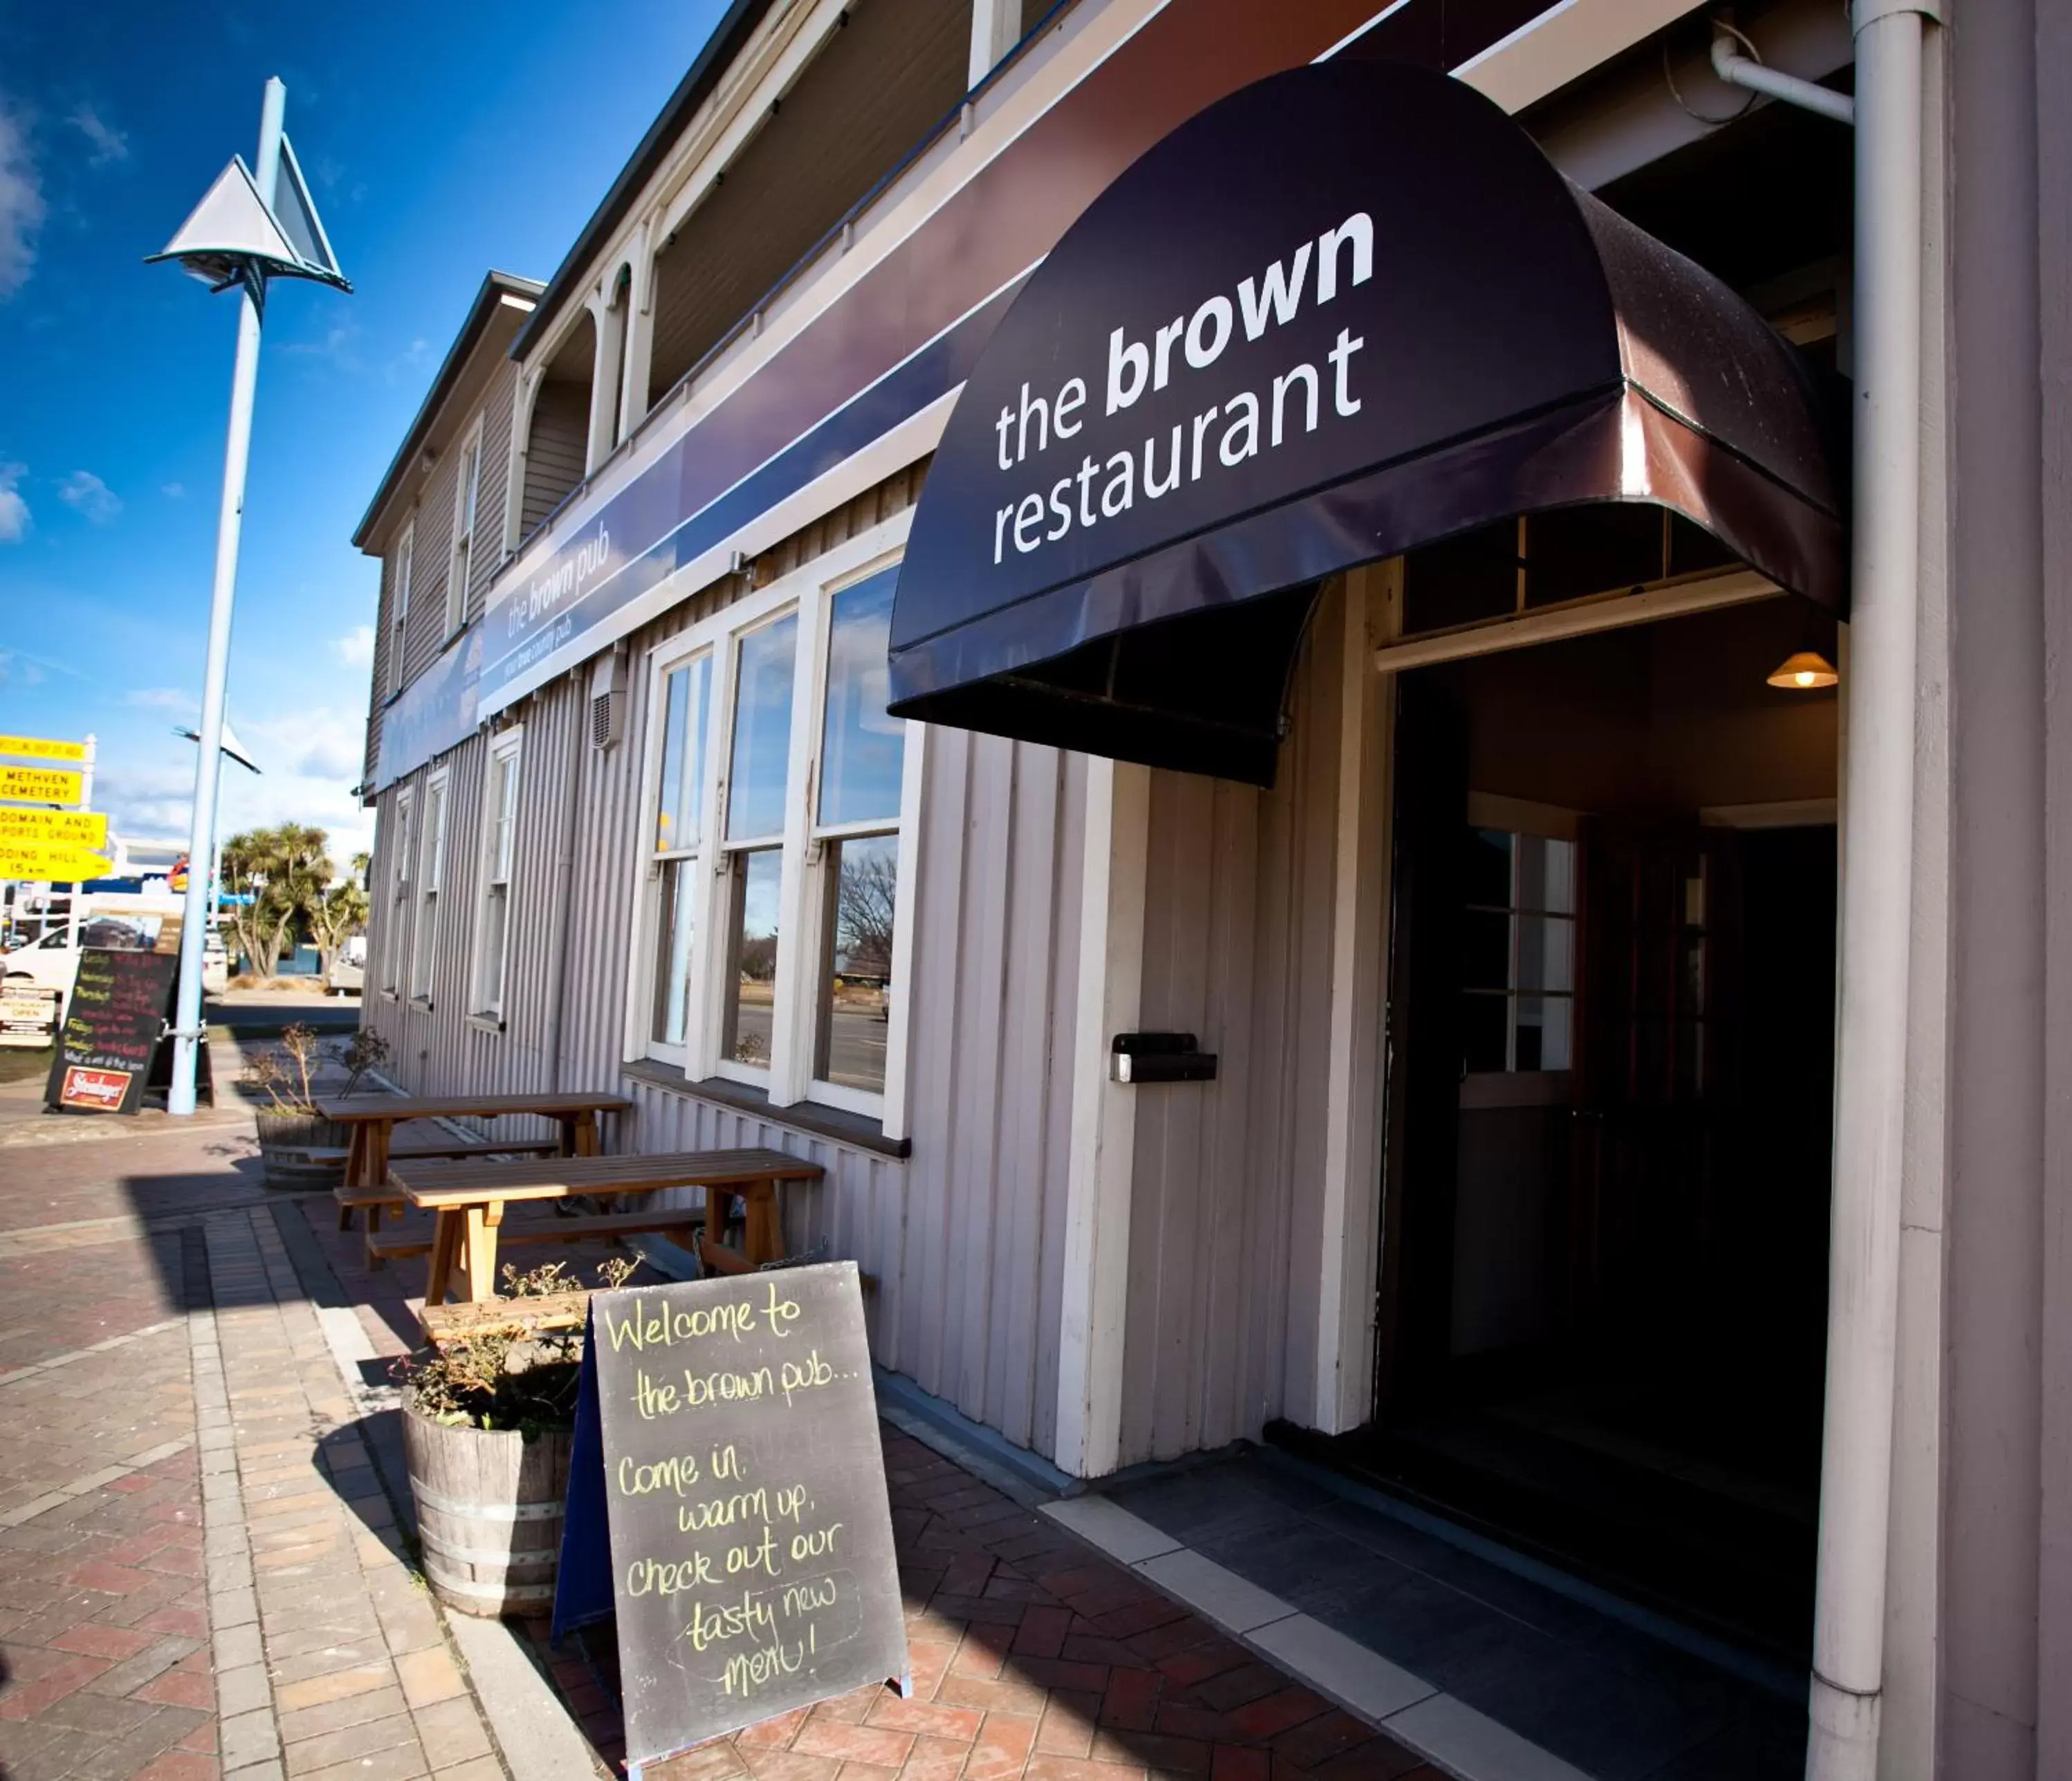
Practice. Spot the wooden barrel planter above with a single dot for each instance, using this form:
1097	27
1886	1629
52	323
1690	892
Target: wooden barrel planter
489	1512
301	1150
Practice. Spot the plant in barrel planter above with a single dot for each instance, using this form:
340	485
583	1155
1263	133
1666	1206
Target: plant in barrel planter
299	1147
488	1418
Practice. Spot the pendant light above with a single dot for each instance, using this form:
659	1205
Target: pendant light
1803	672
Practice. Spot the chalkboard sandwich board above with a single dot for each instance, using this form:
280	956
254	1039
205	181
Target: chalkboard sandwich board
751	1538
119	1004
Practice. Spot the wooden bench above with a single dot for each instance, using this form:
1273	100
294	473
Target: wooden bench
469	1199
418	1240
352	1197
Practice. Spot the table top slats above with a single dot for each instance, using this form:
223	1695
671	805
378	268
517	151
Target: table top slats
369	1108
435	1184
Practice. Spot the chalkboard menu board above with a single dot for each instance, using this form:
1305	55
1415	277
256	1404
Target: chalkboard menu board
118	1008
751	1539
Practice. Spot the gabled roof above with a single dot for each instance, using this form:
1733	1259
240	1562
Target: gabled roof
495	287
727	37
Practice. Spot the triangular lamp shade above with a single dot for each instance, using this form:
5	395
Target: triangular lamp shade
296	213
232	234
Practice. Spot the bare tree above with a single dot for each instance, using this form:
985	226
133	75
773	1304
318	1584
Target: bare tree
863	913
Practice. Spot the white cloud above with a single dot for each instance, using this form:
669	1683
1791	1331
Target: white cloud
164	698
105	144
340	347
173	491
88	496
14	510
310	762
356	648
21	202
17	669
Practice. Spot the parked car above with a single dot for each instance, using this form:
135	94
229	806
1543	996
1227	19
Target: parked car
348	970
52	962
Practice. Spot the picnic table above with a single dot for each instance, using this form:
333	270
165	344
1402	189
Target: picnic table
468	1201
370	1122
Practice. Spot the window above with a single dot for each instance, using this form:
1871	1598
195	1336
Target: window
499	825
398	607
397	924
758	766
856	826
676	839
466	491
431	854
1518	947
780	799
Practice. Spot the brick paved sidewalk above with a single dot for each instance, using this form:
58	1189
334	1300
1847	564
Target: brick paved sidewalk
1033	1656
201	1574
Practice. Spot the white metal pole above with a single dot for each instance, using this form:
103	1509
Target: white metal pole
1877	871
201	836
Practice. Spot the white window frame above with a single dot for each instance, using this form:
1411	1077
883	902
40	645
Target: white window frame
498	844
399	605
395	922
466	517
788	1078
426	897
817	885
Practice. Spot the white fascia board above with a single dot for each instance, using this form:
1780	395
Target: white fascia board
1562	44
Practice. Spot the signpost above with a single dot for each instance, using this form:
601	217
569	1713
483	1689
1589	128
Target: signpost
732	1432
80	831
59	864
50	846
28	1017
41	784
43	748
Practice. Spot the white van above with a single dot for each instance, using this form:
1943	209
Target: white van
52	962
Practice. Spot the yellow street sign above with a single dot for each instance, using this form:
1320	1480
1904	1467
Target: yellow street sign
52	865
84	830
40	784
42	748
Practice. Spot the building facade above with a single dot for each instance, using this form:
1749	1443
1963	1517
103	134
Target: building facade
1625	1043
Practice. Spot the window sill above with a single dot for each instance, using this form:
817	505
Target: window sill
486	1023
866	1134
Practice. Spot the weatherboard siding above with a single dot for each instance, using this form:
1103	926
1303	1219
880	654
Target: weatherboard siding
1227	1195
964	1239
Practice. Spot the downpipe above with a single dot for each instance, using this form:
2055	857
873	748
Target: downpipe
1847	1684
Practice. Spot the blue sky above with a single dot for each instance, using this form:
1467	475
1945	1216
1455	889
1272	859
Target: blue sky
441	140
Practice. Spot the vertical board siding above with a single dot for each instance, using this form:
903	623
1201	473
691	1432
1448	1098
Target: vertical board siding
965	1239
554	449
1225	1204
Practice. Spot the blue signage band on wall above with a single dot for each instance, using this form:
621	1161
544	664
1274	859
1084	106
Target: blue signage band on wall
638	539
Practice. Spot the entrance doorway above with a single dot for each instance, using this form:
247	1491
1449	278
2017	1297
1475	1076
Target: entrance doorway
1602	1307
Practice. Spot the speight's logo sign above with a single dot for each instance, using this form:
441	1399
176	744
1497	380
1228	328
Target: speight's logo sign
1295	398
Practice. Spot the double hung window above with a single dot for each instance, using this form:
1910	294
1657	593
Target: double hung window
395	939
466	491
500	830
431	862
780	799
855	832
766	665
398	607
676	841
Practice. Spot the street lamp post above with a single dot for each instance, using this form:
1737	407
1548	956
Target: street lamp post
250	227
